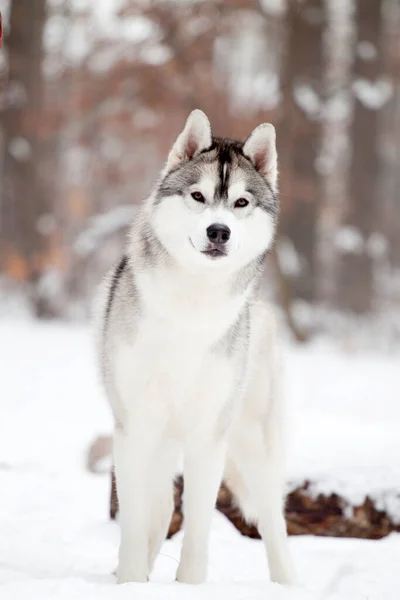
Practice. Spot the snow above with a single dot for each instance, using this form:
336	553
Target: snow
99	22
367	51
289	260
51	286
107	23
136	29
349	239
274	8
80	5
20	148
338	107
347	441
76	162
54	32
377	245
5	8
373	94
79	42
198	26
102	226
307	99
244	64
266	90
46	224
105	58
156	55
56	539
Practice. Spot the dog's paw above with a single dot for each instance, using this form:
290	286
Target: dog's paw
285	577
192	573
131	576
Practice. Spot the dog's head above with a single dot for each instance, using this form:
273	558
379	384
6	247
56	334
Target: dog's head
216	204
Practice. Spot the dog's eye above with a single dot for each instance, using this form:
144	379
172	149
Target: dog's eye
198	196
241	203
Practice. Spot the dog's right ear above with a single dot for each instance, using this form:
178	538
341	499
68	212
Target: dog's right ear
195	137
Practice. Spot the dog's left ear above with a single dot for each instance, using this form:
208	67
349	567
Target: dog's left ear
195	137
260	148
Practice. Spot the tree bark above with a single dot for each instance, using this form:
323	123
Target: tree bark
23	240
356	272
299	139
389	199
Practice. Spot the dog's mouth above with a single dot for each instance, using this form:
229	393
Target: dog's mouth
214	252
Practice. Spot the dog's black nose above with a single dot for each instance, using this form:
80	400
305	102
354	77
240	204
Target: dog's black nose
218	234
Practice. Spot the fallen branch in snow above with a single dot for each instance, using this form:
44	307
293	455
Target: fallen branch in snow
306	514
177	517
332	515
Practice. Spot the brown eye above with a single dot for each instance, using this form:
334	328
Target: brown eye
241	203
198	196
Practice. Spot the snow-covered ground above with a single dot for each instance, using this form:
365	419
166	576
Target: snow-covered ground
344	412
55	537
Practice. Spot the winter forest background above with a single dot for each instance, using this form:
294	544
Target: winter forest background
94	93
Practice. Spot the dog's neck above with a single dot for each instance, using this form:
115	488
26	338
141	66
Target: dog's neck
192	303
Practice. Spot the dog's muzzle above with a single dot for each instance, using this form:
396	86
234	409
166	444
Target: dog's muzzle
218	236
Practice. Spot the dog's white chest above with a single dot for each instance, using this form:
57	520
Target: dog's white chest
171	376
171	370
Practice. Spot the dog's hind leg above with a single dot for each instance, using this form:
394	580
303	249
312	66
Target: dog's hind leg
256	480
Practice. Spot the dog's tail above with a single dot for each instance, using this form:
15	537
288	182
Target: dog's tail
99	455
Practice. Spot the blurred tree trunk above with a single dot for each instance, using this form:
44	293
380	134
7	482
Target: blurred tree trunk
299	140
391	132
24	204
339	44
356	271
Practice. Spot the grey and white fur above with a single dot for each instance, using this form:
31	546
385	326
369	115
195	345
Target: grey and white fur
188	353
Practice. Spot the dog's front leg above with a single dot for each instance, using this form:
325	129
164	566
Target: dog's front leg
132	451
203	470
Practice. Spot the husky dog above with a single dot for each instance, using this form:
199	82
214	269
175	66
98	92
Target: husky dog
188	353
